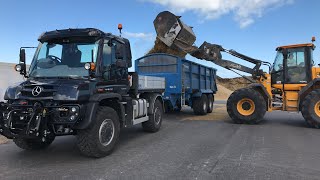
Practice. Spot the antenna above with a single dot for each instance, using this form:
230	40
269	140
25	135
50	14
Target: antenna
120	28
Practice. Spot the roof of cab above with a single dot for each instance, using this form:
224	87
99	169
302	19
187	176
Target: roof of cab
296	46
79	32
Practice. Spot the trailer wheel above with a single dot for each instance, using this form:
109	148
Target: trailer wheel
34	144
155	121
210	103
246	106
311	109
200	105
101	137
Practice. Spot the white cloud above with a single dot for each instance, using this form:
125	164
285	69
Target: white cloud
245	11
141	36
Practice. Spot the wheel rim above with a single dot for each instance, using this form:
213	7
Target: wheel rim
106	132
157	115
246	107
210	104
317	108
204	106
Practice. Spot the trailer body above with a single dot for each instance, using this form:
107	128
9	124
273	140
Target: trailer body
185	80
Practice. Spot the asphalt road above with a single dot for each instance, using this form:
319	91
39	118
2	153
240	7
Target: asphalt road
281	147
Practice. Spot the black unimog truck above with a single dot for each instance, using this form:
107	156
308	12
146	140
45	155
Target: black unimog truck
78	84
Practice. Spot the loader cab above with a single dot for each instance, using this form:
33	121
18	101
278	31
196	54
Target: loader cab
292	65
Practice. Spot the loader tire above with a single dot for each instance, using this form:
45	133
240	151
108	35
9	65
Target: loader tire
246	106
34	144
200	105
310	109
155	119
210	103
101	137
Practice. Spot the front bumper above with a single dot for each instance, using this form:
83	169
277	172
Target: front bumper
37	119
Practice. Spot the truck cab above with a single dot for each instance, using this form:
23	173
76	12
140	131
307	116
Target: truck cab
78	84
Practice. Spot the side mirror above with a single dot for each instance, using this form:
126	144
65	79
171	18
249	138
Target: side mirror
22	56
21	67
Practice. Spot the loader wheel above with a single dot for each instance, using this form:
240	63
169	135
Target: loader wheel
200	105
154	123
311	109
210	103
246	106
102	136
34	144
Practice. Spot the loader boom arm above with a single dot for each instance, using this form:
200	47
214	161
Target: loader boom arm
174	33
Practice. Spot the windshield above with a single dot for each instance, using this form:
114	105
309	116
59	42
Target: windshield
63	59
278	63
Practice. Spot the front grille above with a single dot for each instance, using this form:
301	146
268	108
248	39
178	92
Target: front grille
47	91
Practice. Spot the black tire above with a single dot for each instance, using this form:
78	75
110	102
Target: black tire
210	103
246	106
155	121
200	105
100	139
34	144
309	107
178	107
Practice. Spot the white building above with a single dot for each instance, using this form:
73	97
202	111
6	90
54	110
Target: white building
8	77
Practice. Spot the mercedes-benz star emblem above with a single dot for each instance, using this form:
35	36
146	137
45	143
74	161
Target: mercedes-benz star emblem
36	91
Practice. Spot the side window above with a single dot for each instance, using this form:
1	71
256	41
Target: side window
296	57
107	55
296	71
86	51
300	59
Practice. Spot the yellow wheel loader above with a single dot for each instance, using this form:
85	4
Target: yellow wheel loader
292	83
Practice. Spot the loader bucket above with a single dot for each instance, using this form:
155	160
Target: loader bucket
173	32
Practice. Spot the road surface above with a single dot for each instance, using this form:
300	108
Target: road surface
281	147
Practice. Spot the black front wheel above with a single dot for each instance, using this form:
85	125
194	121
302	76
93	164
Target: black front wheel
246	106
34	144
101	137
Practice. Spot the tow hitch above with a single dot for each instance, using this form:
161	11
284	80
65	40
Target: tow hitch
22	122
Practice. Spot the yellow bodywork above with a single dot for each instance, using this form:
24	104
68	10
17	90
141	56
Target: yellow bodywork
290	91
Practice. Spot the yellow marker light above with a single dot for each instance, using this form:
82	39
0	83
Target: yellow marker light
92	66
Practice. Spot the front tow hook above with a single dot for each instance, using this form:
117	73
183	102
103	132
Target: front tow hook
35	120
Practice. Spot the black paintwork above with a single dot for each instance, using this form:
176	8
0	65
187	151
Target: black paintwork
58	95
53	89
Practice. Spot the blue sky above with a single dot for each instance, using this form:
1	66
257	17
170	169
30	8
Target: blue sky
252	27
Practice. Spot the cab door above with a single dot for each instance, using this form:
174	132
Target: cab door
298	69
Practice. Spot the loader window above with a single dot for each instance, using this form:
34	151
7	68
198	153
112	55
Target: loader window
296	69
277	69
278	63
